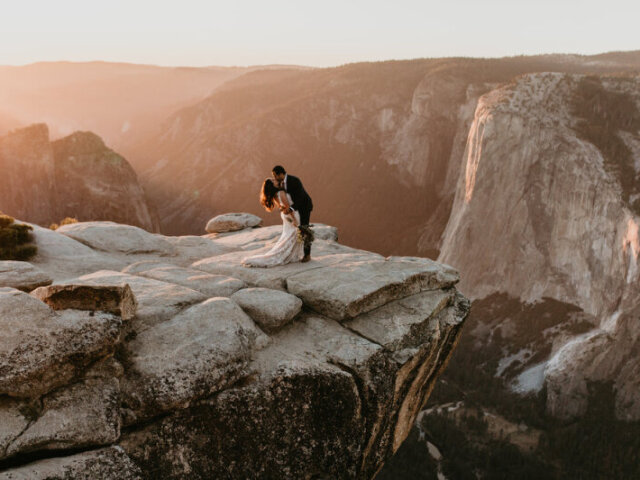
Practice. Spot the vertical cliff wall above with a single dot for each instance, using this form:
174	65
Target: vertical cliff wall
544	210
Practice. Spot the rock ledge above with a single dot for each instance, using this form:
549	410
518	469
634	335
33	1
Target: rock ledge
161	363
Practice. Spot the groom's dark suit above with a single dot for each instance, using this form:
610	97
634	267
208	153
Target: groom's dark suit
301	201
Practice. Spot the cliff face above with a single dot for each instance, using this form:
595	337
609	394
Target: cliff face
532	193
76	176
170	374
543	210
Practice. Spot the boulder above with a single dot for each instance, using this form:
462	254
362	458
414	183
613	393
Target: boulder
83	414
271	309
157	301
117	238
206	283
230	222
22	275
200	351
103	464
351	288
42	349
116	299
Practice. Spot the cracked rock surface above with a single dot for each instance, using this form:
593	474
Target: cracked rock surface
167	359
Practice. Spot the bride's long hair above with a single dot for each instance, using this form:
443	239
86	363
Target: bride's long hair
267	194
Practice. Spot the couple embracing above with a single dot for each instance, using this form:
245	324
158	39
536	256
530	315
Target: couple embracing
294	245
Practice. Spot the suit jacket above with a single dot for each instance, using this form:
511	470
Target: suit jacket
299	196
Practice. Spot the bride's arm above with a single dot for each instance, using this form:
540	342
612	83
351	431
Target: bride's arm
286	208
284	202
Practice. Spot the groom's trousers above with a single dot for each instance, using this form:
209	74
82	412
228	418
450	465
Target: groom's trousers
305	215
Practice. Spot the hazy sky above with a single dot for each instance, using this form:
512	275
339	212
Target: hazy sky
319	32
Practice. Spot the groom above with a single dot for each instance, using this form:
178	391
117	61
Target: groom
301	201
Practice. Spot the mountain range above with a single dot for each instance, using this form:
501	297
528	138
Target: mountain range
521	172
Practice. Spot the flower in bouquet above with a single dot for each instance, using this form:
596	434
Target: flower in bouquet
305	234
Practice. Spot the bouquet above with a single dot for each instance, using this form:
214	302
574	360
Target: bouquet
305	234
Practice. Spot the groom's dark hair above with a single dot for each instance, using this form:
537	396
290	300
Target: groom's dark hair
278	170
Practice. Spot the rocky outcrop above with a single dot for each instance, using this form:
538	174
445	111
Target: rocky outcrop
95	183
213	375
75	176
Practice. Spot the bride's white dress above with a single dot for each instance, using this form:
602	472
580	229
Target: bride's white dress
286	250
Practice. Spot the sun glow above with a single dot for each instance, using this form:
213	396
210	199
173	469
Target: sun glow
251	32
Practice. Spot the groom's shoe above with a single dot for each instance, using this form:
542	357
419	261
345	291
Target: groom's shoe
305	259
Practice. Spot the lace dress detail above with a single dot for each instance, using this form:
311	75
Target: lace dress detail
287	249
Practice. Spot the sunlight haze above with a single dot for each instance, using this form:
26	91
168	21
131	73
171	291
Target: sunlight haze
198	33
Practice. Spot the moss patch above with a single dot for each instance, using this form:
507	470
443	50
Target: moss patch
15	240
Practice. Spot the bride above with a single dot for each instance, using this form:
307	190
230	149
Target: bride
288	248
